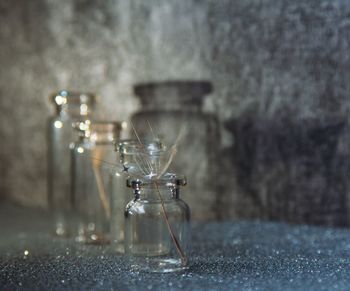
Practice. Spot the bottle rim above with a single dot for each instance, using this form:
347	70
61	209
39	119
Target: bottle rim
134	146
169	180
65	97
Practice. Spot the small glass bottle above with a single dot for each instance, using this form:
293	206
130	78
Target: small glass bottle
130	157
140	158
69	107
93	171
157	225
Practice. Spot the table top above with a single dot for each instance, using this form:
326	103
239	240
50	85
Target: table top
229	255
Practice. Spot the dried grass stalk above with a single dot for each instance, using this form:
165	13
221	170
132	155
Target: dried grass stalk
171	232
162	171
96	166
173	152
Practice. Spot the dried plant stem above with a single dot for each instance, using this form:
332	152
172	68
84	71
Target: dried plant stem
171	232
172	152
100	185
139	166
137	136
158	175
171	157
150	127
102	192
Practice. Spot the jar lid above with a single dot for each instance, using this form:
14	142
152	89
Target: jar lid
172	93
65	97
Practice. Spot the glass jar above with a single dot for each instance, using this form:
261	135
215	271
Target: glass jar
157	225
130	154
93	172
140	158
69	107
166	109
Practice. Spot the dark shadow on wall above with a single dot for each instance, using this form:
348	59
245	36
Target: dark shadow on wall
296	170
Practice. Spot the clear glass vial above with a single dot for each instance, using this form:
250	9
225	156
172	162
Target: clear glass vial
140	158
130	154
93	172
157	225
69	107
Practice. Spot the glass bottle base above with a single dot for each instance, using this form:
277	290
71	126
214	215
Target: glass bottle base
118	247
157	265
93	239
61	230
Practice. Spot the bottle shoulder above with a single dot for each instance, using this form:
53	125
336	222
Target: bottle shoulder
59	117
182	203
81	146
142	206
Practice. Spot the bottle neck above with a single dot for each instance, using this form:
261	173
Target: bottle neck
74	104
103	143
74	110
153	192
126	159
99	141
98	132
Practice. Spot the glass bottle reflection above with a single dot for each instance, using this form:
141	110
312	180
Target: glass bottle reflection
92	179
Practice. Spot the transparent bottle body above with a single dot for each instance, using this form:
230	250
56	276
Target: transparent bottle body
92	188
196	154
149	244
60	135
119	198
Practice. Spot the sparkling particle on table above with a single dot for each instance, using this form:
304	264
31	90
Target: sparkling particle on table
269	256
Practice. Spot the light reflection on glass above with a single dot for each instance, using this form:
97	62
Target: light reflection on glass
80	150
83	109
58	124
60	100
84	125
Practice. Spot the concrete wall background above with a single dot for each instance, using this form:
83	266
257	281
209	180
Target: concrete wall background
278	68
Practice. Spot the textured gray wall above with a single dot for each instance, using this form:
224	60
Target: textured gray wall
280	71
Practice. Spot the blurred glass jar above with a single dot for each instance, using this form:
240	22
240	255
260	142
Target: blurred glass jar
166	109
69	107
93	171
157	225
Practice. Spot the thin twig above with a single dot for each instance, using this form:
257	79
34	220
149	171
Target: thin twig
150	127
172	152
172	234
102	192
171	157
139	166
113	166
137	136
166	166
100	185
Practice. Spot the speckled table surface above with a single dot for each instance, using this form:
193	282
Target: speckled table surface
226	256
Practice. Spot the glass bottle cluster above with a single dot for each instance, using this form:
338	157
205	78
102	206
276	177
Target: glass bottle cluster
91	176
